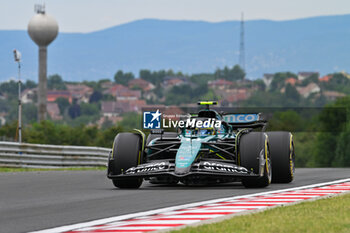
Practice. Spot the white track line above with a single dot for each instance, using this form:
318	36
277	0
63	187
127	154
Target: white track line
93	224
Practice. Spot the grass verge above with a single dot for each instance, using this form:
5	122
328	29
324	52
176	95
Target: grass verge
325	215
15	169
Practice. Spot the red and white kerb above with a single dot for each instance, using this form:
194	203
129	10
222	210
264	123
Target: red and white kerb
187	214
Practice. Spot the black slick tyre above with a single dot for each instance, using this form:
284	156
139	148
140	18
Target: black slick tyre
251	146
126	154
282	156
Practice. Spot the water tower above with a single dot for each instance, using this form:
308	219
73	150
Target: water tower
43	29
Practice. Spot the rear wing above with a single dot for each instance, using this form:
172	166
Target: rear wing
245	120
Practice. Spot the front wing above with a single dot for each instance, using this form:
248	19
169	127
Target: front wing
203	168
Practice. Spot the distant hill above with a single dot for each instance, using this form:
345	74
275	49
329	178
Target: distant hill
313	44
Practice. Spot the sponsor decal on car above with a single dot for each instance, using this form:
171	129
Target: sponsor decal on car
151	167
213	166
241	118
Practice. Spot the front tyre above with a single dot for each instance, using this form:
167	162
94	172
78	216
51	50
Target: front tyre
253	149
126	153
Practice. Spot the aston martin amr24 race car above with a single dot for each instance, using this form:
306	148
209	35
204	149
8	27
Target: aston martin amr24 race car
237	150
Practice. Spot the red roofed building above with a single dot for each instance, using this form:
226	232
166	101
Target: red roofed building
311	88
128	95
326	78
333	95
113	108
220	84
141	83
53	111
236	95
291	81
52	96
114	89
80	91
171	81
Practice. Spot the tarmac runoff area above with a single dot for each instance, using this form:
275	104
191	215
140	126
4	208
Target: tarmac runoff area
32	201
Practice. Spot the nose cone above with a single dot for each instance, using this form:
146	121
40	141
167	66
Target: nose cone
43	29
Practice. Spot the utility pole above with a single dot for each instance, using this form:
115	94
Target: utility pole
241	45
17	56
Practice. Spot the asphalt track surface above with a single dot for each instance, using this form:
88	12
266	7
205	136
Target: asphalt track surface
38	200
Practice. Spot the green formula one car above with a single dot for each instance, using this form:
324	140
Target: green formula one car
209	148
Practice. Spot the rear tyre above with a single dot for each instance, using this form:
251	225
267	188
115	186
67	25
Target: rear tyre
251	145
282	156
126	154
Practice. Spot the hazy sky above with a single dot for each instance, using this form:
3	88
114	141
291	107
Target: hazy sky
92	15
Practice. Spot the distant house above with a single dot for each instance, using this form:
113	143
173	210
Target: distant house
171	81
306	91
149	95
291	81
345	74
114	89
128	95
107	84
3	96
219	84
326	78
230	97
333	95
304	75
53	95
115	108
28	95
136	105
267	79
3	118
113	119
53	111
141	84
80	92
235	95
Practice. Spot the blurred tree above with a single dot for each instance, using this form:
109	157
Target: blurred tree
74	110
89	109
95	97
131	121
10	88
123	78
237	73
279	79
29	84
292	93
55	82
332	134
29	113
232	74
63	104
106	137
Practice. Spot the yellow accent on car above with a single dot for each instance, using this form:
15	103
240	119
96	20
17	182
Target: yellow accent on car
218	155
112	150
207	103
291	155
236	146
143	143
267	167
